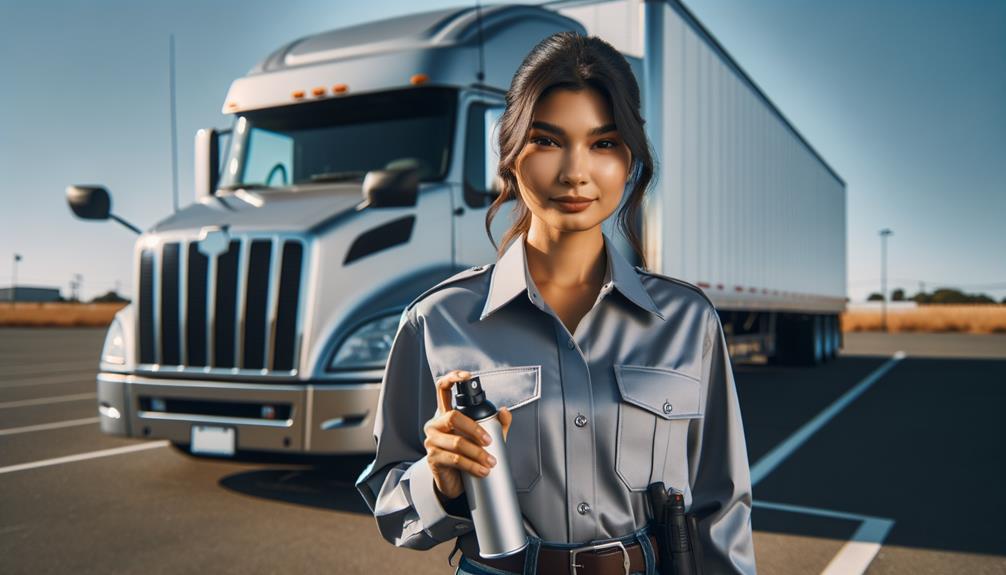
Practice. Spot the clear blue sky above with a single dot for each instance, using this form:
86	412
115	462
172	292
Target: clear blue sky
905	99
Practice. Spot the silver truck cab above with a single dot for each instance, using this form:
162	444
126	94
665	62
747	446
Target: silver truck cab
360	166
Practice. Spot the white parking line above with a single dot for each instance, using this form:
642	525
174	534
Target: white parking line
857	553
54	425
774	458
47	400
83	456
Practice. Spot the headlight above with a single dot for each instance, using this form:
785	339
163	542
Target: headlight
368	346
114	350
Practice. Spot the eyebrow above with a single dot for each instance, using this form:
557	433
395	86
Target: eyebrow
559	131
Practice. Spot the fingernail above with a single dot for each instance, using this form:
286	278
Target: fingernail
486	439
484	471
492	460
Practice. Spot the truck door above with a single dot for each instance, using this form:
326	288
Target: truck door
479	187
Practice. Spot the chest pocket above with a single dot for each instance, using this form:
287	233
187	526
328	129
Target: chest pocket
657	405
519	389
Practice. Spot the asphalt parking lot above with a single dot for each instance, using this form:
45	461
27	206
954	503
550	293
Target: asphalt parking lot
878	462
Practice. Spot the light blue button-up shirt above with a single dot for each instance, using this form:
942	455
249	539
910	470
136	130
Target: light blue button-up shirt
642	391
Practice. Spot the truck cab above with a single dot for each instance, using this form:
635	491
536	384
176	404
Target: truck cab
356	174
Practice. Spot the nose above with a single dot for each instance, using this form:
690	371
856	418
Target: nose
575	166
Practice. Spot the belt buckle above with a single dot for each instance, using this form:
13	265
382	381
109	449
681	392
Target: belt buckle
625	554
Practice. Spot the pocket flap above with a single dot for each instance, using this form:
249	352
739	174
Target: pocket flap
662	391
511	386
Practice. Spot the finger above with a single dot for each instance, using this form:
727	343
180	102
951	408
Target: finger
461	445
444	385
457	461
505	419
458	423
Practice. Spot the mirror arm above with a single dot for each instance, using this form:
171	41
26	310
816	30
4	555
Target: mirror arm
125	223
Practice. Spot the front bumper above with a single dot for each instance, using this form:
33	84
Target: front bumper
312	418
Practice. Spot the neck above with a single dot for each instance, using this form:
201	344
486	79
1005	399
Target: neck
565	259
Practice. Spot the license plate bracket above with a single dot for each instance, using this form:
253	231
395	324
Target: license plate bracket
213	440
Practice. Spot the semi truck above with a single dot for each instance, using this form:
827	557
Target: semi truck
356	174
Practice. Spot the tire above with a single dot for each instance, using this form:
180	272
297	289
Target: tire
817	339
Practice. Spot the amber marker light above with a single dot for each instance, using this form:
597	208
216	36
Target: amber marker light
298	95
418	79
340	89
319	91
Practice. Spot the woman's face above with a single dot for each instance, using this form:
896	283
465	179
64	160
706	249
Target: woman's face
572	149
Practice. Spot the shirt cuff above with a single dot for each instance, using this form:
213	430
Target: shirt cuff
437	521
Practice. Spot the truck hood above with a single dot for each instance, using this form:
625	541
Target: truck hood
257	210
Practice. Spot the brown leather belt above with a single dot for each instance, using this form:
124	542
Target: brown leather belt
613	558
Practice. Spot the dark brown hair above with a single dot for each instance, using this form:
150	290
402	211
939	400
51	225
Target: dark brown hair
572	61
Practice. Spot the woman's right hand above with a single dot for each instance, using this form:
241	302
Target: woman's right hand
455	442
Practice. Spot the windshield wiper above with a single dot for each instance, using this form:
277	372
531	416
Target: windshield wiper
337	176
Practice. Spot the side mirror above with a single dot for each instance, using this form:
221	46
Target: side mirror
207	161
94	203
390	188
89	202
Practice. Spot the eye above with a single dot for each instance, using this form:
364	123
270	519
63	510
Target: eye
613	143
541	140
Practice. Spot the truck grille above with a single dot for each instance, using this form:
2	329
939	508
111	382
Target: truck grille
238	310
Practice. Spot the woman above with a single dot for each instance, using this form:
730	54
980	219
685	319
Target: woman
609	377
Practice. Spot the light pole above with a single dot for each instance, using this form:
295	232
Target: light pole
883	277
13	283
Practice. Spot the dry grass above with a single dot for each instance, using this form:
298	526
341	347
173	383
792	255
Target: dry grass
57	314
963	318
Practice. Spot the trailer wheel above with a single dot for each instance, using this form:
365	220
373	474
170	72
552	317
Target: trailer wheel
828	340
832	336
817	322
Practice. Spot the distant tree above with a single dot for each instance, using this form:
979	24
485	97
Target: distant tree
951	295
1003	301
110	297
921	297
898	295
875	297
947	295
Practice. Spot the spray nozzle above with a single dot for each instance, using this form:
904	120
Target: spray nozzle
469	393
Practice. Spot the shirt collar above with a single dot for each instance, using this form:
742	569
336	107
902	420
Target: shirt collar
510	277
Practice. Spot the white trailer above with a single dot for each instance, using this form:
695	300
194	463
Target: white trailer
358	174
743	206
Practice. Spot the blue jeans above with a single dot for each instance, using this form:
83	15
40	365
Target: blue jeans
469	567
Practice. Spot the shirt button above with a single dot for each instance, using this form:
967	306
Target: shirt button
571	344
583	508
580	420
668	407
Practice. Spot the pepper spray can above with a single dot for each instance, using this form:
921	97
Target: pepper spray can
499	526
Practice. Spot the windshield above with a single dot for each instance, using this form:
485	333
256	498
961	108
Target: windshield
342	138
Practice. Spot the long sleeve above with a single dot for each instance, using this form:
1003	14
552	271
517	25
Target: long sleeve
398	484
718	464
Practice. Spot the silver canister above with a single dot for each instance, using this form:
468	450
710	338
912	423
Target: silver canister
499	525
